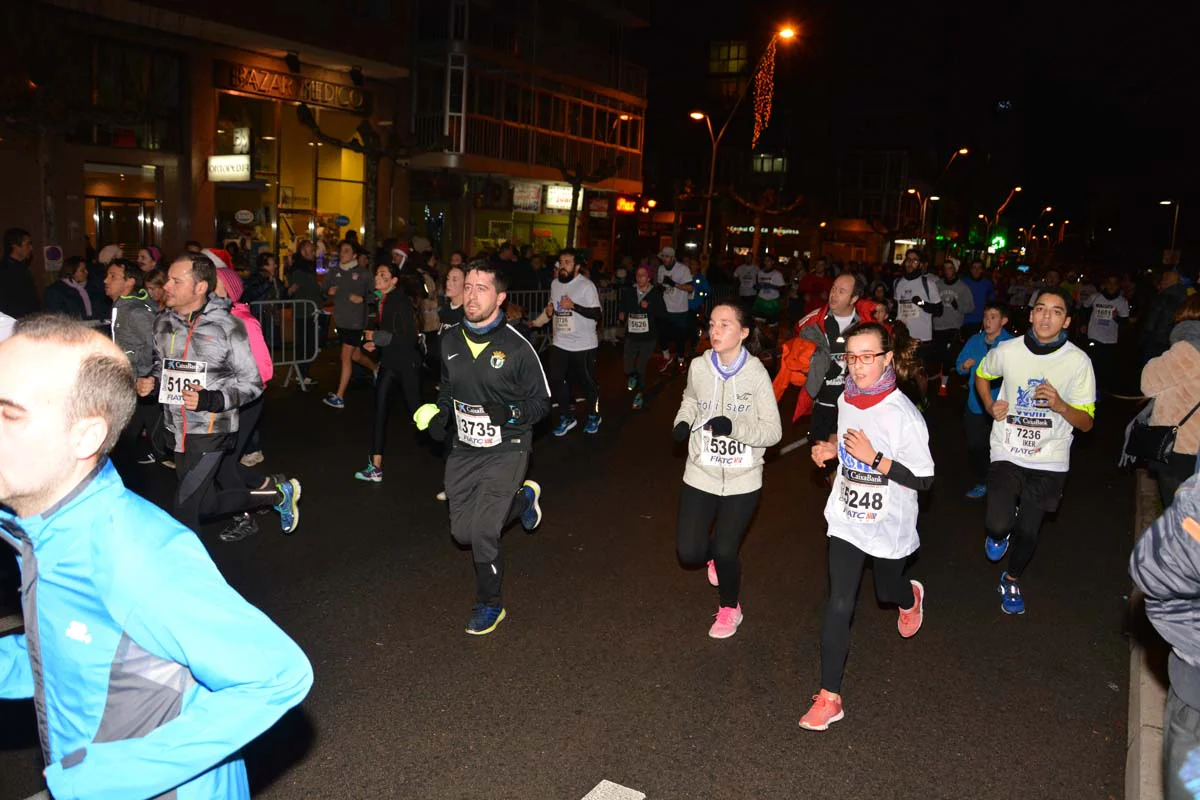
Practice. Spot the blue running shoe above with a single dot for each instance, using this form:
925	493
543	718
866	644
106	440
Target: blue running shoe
593	424
565	425
484	619
632	383
977	491
289	506
531	517
333	401
995	548
1011	601
372	474
639	400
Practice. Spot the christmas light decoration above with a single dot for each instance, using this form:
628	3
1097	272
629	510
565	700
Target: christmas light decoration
764	92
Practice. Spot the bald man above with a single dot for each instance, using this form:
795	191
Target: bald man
149	673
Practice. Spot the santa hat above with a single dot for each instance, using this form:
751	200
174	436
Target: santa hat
233	283
220	258
109	253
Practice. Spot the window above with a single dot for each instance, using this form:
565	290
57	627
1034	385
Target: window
766	163
726	58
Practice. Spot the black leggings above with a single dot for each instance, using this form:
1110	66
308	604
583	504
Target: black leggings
565	367
200	473
732	513
406	380
1018	500
846	564
979	444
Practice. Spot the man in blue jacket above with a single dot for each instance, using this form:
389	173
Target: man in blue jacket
147	670
977	422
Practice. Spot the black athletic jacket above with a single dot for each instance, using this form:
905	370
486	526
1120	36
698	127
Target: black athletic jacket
506	379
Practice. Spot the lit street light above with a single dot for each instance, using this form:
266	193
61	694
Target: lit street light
787	34
962	151
1175	222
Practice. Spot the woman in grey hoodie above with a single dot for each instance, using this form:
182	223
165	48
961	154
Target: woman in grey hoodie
728	418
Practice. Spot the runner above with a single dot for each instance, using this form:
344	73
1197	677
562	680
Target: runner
983	291
746	276
917	303
815	286
957	301
203	372
494	390
641	311
882	448
976	422
728	418
133	331
575	311
826	327
348	284
676	282
1049	390
769	282
148	672
395	337
1107	311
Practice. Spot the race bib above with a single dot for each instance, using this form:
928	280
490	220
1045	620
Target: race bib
908	311
862	495
179	374
723	452
638	323
1025	436
564	322
1103	313
474	426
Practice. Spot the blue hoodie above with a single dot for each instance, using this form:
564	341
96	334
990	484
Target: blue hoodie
147	670
977	347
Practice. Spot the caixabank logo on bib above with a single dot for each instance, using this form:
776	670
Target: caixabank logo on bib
1027	428
863	491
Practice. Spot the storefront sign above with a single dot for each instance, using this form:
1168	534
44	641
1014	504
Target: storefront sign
527	198
241	140
626	205
228	169
558	198
765	229
598	207
342	220
295	88
244	217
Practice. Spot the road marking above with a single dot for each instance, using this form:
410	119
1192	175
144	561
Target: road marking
607	790
783	451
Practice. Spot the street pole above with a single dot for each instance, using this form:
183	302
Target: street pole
1174	228
712	174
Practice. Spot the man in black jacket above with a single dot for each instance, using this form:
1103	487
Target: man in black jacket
1160	317
18	293
494	391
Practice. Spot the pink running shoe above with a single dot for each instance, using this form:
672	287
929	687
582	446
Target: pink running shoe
911	618
826	710
712	573
727	622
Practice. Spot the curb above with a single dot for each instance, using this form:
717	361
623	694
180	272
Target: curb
1147	672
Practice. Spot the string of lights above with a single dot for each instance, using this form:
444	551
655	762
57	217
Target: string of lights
764	93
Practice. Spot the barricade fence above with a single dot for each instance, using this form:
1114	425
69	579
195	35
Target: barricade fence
291	329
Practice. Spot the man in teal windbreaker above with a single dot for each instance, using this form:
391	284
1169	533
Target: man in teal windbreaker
148	671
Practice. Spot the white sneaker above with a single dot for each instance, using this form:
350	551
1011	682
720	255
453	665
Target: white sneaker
253	459
441	496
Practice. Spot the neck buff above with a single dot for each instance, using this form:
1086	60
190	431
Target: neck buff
1038	348
871	395
1112	296
727	372
483	330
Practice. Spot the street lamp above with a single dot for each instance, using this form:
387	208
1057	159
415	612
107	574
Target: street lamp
925	204
1175	222
786	33
962	151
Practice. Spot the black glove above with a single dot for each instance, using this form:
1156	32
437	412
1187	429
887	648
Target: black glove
500	413
720	426
210	400
918	302
668	280
437	428
682	432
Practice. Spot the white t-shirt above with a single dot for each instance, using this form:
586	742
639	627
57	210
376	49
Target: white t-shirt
919	321
676	300
1033	436
7	324
769	284
1102	327
574	332
867	510
747	279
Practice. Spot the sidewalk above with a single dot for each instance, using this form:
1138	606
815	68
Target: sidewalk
1147	673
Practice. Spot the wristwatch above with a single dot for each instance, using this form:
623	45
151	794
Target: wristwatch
878	459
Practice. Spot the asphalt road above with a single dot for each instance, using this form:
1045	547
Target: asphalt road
604	670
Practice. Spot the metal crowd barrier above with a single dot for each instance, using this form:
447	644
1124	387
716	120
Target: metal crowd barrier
291	329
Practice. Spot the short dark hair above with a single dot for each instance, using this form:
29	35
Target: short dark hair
996	305
203	269
914	251
71	264
263	258
129	269
569	251
499	278
192	243
1058	292
104	384
13	237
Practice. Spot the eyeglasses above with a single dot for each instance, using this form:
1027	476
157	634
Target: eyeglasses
865	358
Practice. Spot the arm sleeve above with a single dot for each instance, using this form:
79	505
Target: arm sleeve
250	670
903	475
244	383
16	673
142	357
992	366
689	409
967	352
535	389
763	428
1081	394
968	299
819	364
590	312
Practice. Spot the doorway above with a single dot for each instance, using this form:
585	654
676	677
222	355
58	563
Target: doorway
121	207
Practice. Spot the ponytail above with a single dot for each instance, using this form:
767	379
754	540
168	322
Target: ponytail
910	371
753	343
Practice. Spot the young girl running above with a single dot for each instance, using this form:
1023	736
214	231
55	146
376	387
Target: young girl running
729	418
882	448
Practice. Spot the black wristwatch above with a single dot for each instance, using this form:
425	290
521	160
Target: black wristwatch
878	458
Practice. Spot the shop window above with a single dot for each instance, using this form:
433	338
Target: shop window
339	162
121	206
339	200
137	83
247	125
765	163
726	58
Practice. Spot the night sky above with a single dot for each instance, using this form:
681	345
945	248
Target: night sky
1103	105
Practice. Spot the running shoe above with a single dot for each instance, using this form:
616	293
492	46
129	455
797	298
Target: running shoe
727	622
977	491
565	425
372	474
632	383
593	424
531	517
826	710
712	573
995	548
943	390
639	401
147	459
1011	601
911	618
333	401
253	459
668	362
306	382
441	496
243	525
289	506
484	619
168	463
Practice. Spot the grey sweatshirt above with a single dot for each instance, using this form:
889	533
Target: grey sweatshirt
748	399
349	282
133	330
957	302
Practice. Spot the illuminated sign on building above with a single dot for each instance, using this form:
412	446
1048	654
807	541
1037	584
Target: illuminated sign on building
558	198
294	88
626	205
527	198
775	231
229	169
